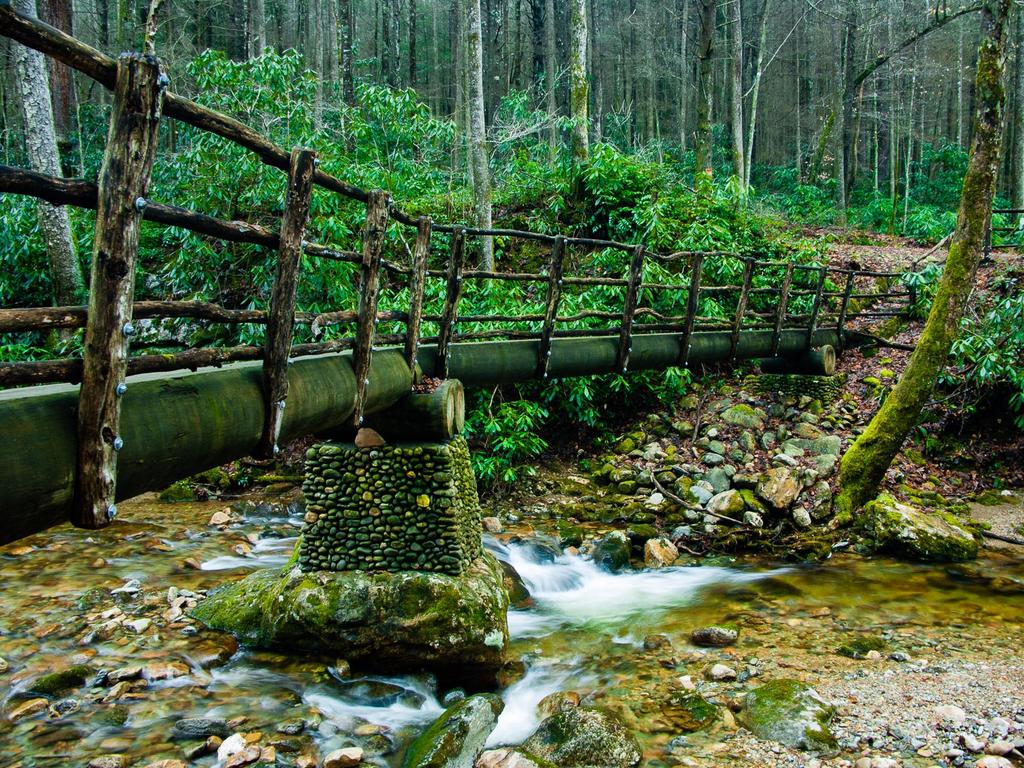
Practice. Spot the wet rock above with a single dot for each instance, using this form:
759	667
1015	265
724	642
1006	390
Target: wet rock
700	494
887	525
29	708
518	594
62	681
719	479
714	636
753	519
199	728
778	487
344	758
169	763
611	551
509	758
729	503
457	738
993	761
689	712
659	553
801	518
492	525
860	647
433	620
120	674
791	713
560	701
721	673
63	708
109	761
4	666
656	642
585	737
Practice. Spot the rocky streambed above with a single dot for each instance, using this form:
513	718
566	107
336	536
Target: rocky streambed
918	665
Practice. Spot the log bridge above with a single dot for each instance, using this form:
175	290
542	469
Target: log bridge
79	434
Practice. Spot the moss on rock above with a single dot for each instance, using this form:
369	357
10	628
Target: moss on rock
887	525
859	647
407	620
791	713
456	738
586	738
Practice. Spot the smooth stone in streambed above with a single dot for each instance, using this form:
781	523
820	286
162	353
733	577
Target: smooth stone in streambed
611	551
457	738
791	713
659	553
400	621
993	761
714	636
199	728
344	758
887	525
508	758
585	738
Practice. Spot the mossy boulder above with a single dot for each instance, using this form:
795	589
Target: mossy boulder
741	415
791	713
899	529
61	681
457	738
612	551
397	621
585	737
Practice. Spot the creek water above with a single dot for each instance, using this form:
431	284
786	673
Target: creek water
585	631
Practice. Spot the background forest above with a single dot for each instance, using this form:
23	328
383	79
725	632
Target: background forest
592	116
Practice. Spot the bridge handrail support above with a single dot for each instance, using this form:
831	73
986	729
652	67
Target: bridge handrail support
374	232
124	178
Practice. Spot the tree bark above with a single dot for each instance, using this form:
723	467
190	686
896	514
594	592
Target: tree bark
550	72
478	153
347	78
755	90
578	87
1018	114
866	462
736	101
255	28
705	49
684	70
41	143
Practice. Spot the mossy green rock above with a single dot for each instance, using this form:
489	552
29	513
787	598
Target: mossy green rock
585	737
859	647
741	415
791	713
906	531
690	712
62	681
611	551
456	738
397	621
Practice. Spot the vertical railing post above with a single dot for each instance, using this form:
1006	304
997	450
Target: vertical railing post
844	308
554	297
812	325
453	292
780	311
692	307
741	307
417	281
281	321
376	227
124	179
636	273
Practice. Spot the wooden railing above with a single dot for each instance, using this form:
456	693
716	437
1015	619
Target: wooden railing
141	98
992	229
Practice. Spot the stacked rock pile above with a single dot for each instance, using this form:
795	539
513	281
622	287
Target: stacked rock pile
402	507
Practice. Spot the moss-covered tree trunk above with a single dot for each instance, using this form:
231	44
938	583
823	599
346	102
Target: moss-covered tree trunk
867	460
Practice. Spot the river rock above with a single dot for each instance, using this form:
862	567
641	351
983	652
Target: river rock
508	758
62	681
109	761
689	712
720	673
659	553
778	487
993	761
344	758
456	739
889	526
753	519
714	636
407	620
719	479
585	738
199	728
729	503
29	708
611	551
801	518
791	713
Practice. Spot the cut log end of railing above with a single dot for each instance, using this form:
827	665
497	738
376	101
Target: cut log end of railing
124	179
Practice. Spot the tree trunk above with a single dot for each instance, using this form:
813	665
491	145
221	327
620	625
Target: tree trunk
41	143
550	57
736	102
755	90
705	49
684	71
866	462
255	28
478	154
348	85
578	90
62	88
1017	156
412	43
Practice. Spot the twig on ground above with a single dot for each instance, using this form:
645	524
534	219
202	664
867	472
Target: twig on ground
1000	537
672	497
